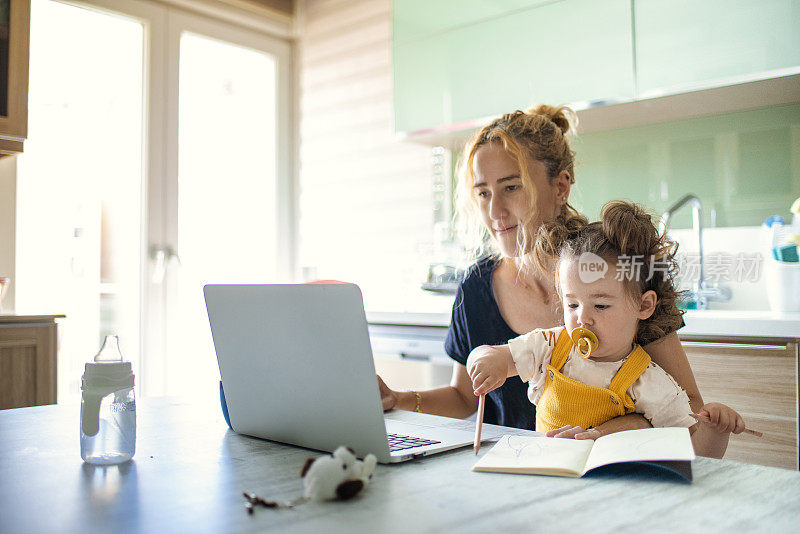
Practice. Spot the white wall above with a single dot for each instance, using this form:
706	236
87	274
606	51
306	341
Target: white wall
366	199
8	215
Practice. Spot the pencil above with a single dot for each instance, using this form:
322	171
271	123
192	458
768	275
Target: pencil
479	423
706	419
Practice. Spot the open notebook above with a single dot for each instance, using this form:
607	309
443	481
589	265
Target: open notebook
670	448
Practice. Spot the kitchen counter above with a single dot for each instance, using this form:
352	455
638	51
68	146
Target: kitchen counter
744	324
16	320
706	324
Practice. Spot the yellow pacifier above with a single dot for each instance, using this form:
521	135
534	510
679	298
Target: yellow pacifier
585	340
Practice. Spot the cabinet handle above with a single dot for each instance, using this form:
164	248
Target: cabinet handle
712	345
416	357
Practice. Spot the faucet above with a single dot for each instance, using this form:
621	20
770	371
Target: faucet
702	292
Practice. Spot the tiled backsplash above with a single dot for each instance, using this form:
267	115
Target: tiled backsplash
734	257
744	166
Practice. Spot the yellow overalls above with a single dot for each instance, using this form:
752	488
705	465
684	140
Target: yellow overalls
565	401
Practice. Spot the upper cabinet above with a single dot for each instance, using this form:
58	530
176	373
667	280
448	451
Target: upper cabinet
14	43
416	19
457	62
554	52
685	44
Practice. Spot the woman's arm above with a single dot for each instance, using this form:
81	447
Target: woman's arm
669	354
455	400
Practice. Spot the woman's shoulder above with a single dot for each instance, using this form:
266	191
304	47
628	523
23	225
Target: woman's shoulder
480	272
474	295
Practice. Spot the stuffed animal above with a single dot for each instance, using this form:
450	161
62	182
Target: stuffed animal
339	476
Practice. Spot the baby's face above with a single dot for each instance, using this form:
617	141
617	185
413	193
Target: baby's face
603	306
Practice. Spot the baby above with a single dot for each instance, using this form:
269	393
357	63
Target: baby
615	279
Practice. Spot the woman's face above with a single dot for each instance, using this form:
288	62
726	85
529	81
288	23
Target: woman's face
504	204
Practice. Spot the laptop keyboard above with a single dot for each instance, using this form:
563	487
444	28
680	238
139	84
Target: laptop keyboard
398	442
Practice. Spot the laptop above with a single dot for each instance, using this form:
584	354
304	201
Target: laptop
297	367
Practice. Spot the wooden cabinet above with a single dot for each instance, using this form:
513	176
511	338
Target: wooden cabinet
14	52
683	44
759	380
28	346
570	51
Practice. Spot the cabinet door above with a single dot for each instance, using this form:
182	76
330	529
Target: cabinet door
759	382
14	53
562	52
27	366
414	19
683	43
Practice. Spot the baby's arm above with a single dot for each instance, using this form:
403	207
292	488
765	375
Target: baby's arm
489	366
711	438
664	403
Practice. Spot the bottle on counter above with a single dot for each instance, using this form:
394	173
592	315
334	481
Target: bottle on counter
108	408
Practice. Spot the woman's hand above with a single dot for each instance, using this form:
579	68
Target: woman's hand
574	432
388	397
487	367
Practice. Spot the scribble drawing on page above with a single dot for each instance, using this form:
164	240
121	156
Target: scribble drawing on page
541	451
524	449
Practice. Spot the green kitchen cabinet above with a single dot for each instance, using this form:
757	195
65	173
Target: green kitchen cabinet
558	52
415	19
682	44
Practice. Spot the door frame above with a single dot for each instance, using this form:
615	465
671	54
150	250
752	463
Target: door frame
163	25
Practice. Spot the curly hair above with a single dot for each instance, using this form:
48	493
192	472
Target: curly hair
538	134
625	232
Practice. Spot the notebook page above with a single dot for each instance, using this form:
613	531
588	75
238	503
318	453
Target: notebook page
648	444
534	453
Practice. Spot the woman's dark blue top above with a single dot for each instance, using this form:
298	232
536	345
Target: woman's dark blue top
476	321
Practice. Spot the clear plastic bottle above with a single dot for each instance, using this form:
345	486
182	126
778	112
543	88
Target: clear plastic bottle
108	408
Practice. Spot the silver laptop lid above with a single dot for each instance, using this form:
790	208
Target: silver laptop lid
297	366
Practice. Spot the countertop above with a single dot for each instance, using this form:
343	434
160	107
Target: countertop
17	320
706	323
189	472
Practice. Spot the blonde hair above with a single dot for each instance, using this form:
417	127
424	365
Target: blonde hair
624	230
538	134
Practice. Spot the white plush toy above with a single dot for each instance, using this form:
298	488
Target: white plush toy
339	476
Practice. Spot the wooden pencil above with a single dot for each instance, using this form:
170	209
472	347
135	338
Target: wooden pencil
479	423
707	420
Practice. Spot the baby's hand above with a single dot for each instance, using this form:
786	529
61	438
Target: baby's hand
721	418
574	432
487	368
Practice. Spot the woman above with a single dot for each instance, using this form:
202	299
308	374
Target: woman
516	175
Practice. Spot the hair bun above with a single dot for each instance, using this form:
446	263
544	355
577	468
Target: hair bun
630	228
562	116
551	237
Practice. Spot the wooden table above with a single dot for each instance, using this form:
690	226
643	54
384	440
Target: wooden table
189	472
